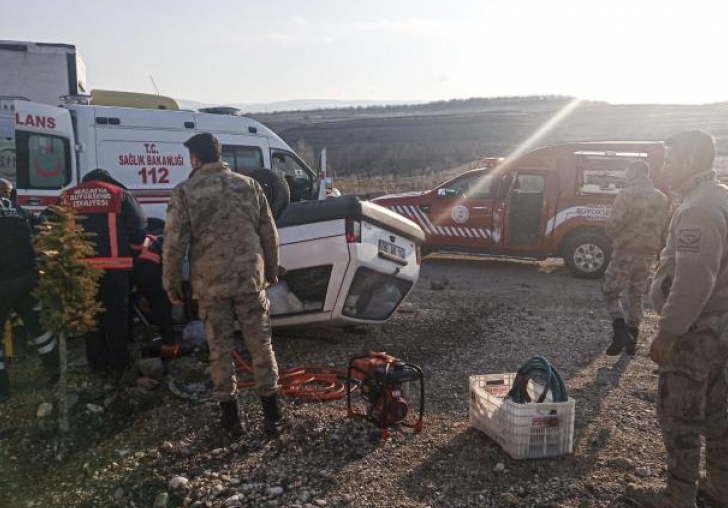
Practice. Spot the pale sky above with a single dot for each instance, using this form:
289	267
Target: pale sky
241	51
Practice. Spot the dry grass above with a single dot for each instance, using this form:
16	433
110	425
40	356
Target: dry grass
387	184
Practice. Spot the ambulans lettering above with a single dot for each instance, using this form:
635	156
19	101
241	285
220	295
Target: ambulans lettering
41	122
152	167
130	159
587	212
154	175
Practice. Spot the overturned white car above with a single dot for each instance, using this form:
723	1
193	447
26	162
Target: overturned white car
348	262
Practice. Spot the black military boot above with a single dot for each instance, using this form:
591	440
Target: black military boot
230	420
275	421
620	339
631	347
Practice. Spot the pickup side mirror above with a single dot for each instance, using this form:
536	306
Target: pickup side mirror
449	193
329	182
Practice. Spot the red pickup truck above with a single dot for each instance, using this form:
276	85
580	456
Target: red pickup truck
549	202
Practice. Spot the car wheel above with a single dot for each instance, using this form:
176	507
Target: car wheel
587	255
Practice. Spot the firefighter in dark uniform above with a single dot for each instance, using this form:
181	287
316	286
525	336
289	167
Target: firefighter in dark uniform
18	278
109	211
147	276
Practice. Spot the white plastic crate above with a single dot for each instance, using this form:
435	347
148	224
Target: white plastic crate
524	431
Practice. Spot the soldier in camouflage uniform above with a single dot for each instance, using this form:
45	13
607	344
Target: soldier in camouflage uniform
224	220
690	292
635	228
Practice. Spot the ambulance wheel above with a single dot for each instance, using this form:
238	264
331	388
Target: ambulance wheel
587	254
276	190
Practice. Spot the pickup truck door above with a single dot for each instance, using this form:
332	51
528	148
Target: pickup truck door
461	212
531	199
41	159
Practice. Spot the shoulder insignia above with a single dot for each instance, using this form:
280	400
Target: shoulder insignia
688	240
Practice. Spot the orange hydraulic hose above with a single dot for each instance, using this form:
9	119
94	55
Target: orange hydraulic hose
312	383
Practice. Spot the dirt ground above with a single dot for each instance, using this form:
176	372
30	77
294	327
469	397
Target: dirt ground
490	317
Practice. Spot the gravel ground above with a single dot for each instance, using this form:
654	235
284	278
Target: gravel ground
129	446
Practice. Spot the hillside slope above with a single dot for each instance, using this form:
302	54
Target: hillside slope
411	140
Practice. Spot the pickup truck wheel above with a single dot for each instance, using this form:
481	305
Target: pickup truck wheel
586	255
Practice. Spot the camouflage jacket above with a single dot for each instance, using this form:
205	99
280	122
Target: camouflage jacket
638	220
224	220
691	283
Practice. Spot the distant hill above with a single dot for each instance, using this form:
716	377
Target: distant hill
417	139
296	105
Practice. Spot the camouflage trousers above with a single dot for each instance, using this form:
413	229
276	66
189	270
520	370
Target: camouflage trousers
693	401
627	272
252	312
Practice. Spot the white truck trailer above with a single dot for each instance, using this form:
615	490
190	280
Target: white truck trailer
41	72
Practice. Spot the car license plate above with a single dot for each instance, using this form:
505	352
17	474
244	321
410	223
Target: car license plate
390	250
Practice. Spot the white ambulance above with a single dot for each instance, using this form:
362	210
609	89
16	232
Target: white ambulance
349	262
142	148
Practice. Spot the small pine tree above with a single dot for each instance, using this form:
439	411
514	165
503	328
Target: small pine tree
67	287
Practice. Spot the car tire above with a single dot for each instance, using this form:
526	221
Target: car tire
276	190
587	254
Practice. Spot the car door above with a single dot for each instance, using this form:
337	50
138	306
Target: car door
532	195
462	212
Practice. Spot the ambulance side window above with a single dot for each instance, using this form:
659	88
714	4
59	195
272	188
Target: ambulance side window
242	159
43	161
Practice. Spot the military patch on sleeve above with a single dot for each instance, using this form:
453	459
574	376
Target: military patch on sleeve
688	240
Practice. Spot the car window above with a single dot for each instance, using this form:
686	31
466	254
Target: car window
530	184
242	159
477	186
300	179
601	174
